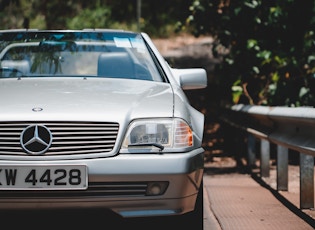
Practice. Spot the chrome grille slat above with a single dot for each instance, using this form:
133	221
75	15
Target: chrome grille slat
83	137
10	138
4	144
83	128
82	142
9	147
84	133
85	151
79	147
10	128
68	137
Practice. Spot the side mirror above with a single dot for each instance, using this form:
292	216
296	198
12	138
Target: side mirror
194	78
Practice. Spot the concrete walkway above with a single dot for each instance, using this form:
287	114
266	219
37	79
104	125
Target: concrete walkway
237	201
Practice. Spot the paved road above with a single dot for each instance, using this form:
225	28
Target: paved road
243	201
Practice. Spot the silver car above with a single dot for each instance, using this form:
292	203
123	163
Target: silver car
97	118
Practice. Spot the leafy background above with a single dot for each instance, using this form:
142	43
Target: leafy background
265	48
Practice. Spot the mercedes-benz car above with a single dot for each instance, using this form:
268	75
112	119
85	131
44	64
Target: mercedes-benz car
97	118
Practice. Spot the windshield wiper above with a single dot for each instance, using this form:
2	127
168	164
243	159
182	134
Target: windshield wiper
161	147
10	72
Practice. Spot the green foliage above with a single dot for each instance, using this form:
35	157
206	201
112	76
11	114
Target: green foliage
155	18
271	44
90	18
10	16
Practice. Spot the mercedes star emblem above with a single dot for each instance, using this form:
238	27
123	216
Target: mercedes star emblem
36	139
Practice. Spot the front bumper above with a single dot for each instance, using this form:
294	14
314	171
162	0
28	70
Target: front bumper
112	183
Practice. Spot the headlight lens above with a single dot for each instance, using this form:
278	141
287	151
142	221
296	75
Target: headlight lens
169	133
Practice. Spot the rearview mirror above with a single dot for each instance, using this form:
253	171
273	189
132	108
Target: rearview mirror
194	78
57	46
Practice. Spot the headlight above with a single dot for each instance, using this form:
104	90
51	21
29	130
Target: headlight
158	133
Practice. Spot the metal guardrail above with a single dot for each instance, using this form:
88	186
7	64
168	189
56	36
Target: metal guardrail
288	128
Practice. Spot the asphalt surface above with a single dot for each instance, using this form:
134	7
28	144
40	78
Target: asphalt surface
235	199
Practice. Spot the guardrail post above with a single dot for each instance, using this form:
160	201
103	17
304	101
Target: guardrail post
251	153
264	158
282	168
306	181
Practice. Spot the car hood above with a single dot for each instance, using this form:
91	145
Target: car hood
89	99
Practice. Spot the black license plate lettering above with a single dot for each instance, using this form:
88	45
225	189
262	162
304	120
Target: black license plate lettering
72	177
9	175
46	177
33	177
75	177
62	174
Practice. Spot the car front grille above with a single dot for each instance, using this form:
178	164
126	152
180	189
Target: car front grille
68	137
95	189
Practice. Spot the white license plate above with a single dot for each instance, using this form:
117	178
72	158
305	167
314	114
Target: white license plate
43	177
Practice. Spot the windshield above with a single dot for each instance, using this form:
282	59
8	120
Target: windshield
108	54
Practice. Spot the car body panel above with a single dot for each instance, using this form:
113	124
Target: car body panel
181	171
90	98
148	178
